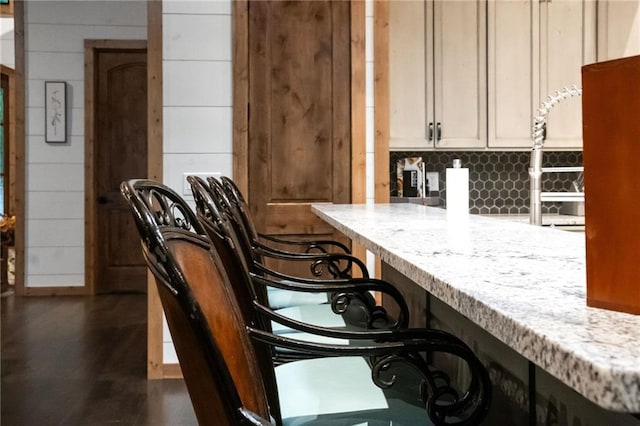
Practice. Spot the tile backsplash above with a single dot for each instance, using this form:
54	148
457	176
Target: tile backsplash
498	181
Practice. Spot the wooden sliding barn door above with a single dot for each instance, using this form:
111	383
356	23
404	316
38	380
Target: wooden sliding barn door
299	113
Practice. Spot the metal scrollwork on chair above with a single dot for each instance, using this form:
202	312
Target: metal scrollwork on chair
215	207
400	355
169	209
233	350
443	401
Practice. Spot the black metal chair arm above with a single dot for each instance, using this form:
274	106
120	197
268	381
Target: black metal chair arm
417	340
345	291
338	333
332	261
444	403
311	245
263	270
261	246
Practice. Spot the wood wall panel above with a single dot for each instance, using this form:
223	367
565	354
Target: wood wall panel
155	369
381	96
358	112
299	112
241	95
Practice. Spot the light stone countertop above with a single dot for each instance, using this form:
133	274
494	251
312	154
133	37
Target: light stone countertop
547	219
524	284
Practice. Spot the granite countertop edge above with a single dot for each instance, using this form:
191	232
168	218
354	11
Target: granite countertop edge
511	279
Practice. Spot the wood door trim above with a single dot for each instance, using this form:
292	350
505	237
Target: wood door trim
381	97
358	103
9	135
240	64
156	368
91	50
358	112
155	358
18	178
381	107
10	145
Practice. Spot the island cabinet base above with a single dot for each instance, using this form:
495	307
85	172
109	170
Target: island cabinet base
523	394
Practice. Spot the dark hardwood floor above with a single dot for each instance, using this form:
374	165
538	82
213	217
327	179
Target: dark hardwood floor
82	361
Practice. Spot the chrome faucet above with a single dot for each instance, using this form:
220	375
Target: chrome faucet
535	167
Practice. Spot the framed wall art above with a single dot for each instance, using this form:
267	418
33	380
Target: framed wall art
55	111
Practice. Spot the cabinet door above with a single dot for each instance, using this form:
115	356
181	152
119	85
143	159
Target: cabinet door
437	72
618	29
459	73
567	42
408	75
513	74
536	49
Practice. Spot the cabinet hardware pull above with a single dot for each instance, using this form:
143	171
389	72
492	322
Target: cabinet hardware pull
438	132
430	131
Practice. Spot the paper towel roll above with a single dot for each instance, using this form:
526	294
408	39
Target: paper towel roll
458	191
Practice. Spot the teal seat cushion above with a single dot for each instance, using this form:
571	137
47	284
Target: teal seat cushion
340	391
399	413
281	298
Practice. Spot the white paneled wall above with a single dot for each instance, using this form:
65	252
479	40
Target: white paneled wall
197	96
54	44
197	89
369	100
621	37
7	42
369	103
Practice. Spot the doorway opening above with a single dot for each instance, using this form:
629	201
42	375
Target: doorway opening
115	150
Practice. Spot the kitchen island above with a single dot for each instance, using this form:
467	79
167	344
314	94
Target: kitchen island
522	284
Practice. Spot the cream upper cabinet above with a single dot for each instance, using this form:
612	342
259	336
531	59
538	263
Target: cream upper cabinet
513	78
618	29
459	73
535	49
408	76
473	73
568	40
437	67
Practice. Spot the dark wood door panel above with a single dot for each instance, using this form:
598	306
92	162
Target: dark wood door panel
299	121
121	148
295	219
299	146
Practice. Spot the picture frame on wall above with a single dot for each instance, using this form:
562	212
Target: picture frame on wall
55	93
